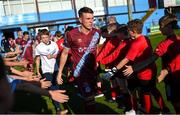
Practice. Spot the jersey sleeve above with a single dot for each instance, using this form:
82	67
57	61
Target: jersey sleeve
105	51
133	51
161	49
113	56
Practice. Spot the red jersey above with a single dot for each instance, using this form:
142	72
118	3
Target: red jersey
117	55
78	43
169	50
108	48
140	50
175	64
166	50
60	44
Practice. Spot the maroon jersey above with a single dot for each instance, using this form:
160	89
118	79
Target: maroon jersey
140	50
19	40
78	43
12	43
28	55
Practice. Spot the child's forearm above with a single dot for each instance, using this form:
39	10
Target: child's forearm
16	72
37	65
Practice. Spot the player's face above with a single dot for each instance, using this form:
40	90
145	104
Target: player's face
87	20
26	36
45	39
20	34
131	33
166	30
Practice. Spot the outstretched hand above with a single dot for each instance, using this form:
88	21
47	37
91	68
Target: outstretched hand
128	71
45	84
59	96
59	78
162	75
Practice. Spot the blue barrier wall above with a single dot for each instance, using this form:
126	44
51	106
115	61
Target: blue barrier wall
57	15
153	19
31	18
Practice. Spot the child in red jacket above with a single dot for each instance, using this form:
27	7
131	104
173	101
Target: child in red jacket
169	51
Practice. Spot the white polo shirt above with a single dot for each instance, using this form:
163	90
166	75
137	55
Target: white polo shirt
42	50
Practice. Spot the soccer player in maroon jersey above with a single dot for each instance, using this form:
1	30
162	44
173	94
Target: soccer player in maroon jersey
82	42
169	51
20	37
27	49
140	49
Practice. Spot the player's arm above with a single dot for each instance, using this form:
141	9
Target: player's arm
16	63
137	67
113	56
38	65
57	95
25	74
162	75
106	49
63	59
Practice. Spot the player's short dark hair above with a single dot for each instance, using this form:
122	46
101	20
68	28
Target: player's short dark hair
58	33
25	33
168	19
135	25
19	29
122	28
44	32
85	10
69	28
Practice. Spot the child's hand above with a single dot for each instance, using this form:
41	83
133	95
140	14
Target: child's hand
49	56
162	75
45	84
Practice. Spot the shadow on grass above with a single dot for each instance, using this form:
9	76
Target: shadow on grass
75	104
103	109
30	103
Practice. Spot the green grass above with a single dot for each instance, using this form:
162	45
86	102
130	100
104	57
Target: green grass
26	102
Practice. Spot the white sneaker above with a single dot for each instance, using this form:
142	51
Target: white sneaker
131	112
99	95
